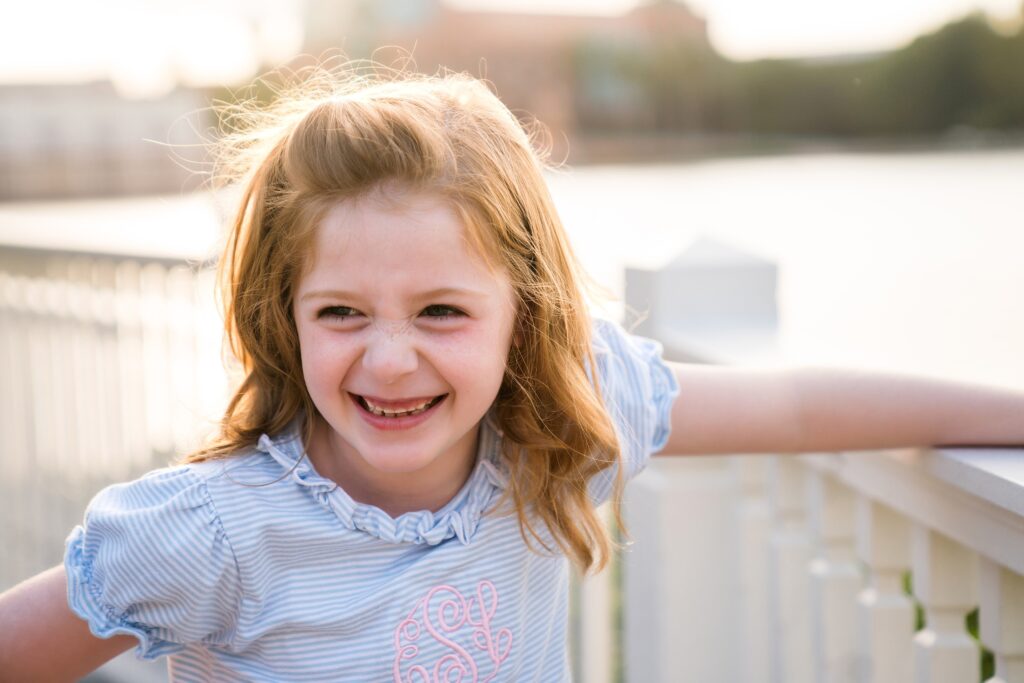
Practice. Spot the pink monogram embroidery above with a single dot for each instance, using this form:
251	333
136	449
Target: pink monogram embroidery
441	613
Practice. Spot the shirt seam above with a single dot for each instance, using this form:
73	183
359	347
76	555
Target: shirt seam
218	520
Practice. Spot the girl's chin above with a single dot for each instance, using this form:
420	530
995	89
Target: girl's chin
427	457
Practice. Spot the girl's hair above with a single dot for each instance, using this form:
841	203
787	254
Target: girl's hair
342	131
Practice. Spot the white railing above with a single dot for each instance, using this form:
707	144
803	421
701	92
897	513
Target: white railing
795	569
110	367
832	568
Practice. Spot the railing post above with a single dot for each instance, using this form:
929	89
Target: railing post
1001	617
885	613
696	591
944	582
680	576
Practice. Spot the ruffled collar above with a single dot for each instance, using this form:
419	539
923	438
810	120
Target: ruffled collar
460	517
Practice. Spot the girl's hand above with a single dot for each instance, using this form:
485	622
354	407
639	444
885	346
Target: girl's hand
41	639
724	409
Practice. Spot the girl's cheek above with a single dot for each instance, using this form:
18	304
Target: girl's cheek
476	346
479	365
324	353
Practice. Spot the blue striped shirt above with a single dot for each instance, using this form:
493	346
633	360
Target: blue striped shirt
256	568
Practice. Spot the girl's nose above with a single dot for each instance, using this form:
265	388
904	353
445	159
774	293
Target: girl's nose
390	357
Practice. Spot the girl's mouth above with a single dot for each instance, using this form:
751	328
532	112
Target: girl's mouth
395	410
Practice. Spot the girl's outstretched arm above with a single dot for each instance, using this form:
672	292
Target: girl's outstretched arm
734	410
41	639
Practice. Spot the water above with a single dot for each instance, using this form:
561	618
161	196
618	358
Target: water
901	262
910	262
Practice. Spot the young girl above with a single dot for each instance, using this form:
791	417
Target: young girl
426	422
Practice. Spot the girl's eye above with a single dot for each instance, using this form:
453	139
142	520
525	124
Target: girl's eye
337	312
441	312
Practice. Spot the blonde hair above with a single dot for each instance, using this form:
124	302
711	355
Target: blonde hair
340	132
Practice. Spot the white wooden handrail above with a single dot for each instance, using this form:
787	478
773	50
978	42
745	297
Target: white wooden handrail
793	569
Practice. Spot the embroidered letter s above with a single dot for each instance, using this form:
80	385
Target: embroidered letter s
459	625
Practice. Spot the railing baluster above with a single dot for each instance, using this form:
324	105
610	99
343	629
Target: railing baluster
834	578
24	400
158	382
64	381
14	397
85	426
944	582
42	413
886	613
790	551
103	316
211	380
1001	617
755	532
596	633
132	414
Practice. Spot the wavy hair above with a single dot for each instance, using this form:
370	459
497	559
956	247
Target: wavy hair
338	132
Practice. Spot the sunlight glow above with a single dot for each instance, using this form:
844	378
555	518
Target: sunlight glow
147	46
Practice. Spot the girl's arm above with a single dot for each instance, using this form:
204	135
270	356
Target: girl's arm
732	410
41	639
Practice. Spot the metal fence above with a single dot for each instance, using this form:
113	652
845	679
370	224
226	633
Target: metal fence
110	367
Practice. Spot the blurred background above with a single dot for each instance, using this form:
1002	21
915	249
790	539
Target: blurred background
873	151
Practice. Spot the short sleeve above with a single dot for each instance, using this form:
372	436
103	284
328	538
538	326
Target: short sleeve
152	560
638	389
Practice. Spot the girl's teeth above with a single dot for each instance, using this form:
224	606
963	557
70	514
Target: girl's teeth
384	412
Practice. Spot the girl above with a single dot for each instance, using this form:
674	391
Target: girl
426	422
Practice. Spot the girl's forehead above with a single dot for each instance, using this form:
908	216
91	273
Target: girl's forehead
408	241
394	226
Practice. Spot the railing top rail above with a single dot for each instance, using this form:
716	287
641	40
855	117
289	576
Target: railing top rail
170	229
993	474
26	251
974	496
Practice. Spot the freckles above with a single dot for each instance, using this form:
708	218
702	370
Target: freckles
472	342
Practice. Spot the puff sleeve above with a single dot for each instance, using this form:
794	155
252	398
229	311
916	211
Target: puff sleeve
638	389
152	560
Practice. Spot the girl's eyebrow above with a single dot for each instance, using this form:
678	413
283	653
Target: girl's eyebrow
430	294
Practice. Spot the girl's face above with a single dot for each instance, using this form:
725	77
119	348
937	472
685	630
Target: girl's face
404	334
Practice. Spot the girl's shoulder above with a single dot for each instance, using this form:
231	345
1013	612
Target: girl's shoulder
638	389
181	506
271	459
626	360
152	559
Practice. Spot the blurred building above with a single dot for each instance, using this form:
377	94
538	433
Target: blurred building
555	67
85	140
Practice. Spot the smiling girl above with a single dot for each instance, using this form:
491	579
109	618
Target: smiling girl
404	333
427	420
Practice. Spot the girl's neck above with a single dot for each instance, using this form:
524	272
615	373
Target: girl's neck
393	492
